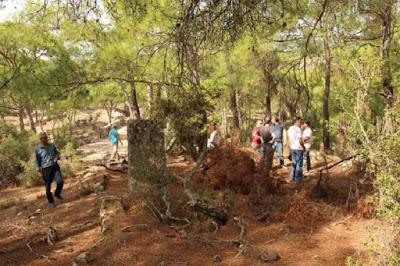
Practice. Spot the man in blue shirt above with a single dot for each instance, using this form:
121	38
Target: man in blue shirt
277	129
114	139
47	155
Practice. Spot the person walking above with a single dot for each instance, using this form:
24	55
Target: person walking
114	138
277	129
255	137
46	162
307	138
295	135
214	138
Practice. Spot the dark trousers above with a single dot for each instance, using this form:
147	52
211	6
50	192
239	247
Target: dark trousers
307	159
49	174
296	171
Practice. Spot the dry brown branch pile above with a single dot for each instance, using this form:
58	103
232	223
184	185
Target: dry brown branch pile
229	167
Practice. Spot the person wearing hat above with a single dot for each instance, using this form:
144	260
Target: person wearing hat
46	162
114	138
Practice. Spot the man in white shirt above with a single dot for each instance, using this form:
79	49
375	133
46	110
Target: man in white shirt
213	140
307	138
295	135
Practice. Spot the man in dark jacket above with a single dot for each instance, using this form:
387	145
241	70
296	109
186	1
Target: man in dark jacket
47	155
267	139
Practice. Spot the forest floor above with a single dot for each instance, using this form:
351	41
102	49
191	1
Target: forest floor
333	233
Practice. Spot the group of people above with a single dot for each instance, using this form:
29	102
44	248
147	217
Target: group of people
268	139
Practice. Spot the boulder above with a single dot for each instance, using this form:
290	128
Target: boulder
110	207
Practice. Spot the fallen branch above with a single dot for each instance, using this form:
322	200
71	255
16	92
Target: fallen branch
331	166
242	249
343	221
171	145
196	204
125	229
110	169
240	223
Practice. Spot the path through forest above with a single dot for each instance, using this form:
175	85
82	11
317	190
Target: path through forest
329	241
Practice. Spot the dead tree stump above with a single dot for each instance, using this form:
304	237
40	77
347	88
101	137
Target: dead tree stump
146	152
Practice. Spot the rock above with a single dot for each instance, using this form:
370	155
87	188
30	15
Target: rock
110	207
99	187
268	256
35	214
217	258
93	169
84	257
92	182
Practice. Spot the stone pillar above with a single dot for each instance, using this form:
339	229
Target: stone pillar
146	152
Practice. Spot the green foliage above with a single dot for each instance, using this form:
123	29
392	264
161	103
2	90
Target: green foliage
69	160
378	149
15	149
29	175
62	138
350	262
385	161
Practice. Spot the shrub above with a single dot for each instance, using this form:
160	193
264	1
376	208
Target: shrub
15	148
29	175
69	159
61	138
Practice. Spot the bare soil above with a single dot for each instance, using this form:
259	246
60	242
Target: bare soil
301	228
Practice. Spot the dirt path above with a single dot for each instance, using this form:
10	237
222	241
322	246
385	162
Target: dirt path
326	242
101	150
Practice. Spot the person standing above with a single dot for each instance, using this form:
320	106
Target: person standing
267	139
214	138
46	162
307	138
255	137
295	135
114	138
277	130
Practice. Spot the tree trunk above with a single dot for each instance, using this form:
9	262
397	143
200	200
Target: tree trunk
28	112
268	108
269	86
109	110
21	119
325	101
386	16
36	116
131	101
224	123
233	94
150	97
135	104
